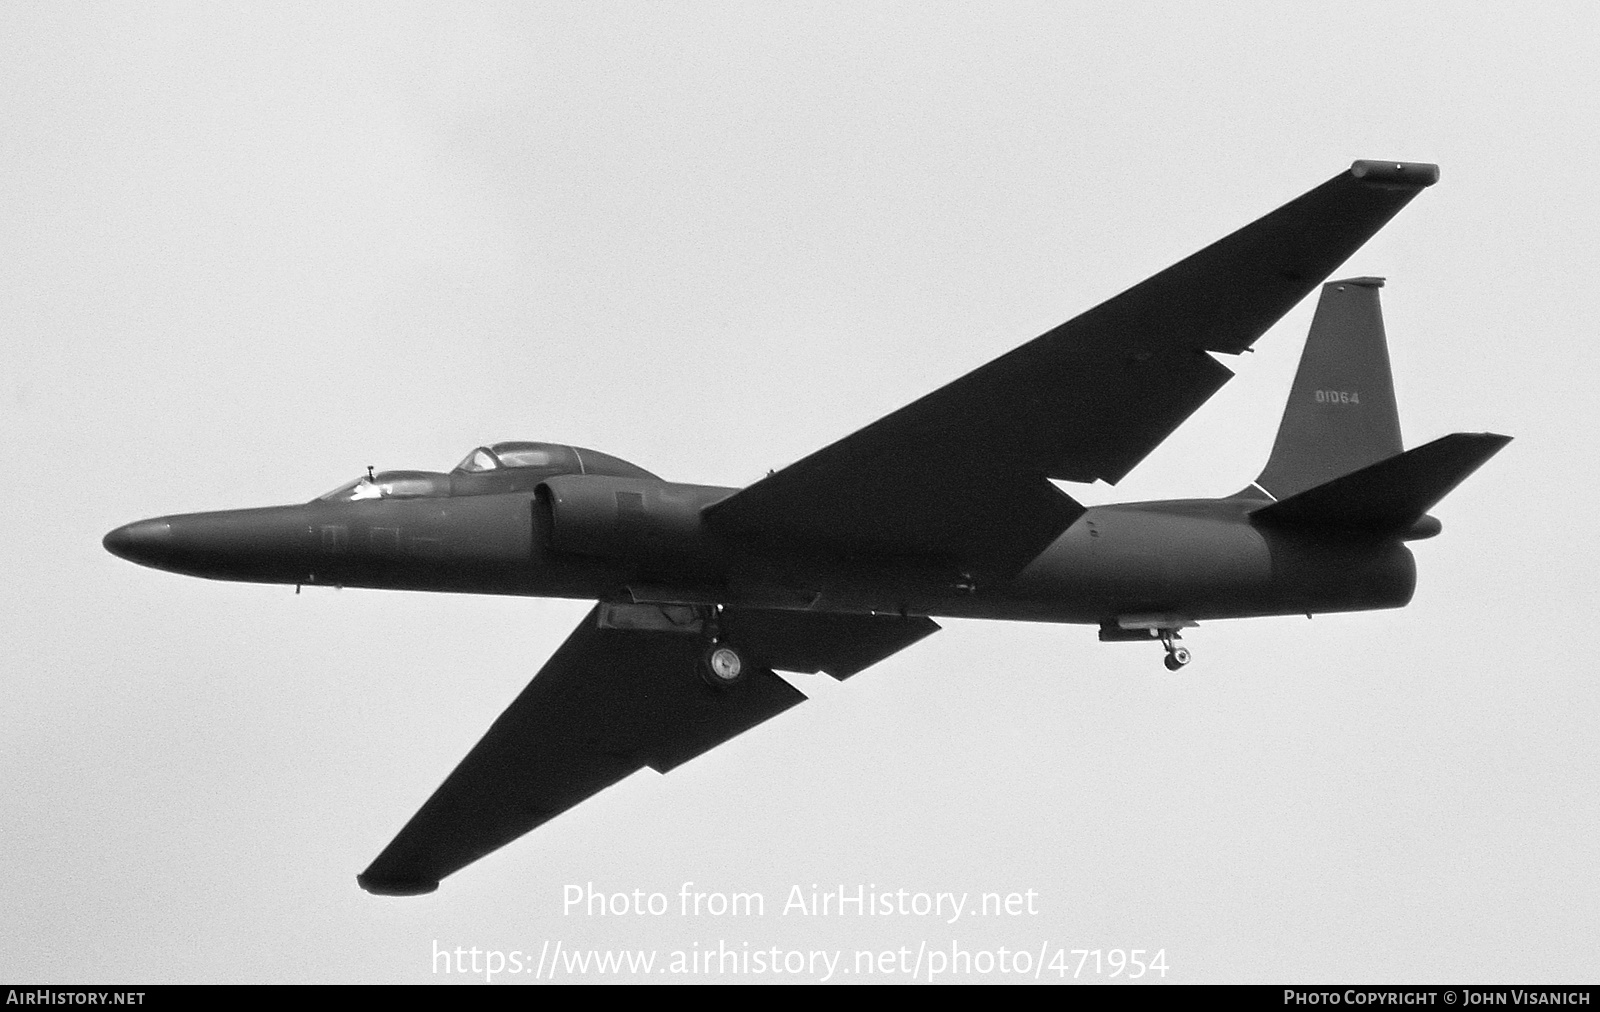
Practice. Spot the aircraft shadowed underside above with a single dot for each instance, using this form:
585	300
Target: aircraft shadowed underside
944	507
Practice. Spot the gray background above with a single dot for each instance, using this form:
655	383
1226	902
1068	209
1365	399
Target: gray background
246	252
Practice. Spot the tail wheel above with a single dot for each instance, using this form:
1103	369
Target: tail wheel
722	665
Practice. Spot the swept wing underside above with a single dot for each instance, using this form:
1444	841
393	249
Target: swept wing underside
610	702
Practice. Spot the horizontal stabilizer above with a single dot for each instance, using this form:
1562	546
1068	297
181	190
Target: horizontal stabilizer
1391	495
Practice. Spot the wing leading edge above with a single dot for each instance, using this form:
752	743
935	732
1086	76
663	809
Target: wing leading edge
609	702
961	474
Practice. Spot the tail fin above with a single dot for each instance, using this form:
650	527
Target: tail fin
1392	495
1341	414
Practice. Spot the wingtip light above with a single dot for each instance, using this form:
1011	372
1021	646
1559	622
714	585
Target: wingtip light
1372	170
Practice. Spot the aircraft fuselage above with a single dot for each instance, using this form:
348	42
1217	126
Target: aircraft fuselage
1196	558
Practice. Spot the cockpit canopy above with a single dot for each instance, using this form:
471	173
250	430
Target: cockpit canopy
392	485
551	456
501	467
547	459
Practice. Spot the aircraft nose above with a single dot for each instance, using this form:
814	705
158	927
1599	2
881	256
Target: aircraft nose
146	542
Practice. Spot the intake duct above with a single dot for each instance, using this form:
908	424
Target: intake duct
607	517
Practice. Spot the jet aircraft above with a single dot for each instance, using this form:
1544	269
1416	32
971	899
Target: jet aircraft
942	508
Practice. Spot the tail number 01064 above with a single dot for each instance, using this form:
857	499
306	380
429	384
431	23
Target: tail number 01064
1338	397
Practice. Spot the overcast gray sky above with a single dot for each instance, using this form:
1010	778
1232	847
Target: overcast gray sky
245	252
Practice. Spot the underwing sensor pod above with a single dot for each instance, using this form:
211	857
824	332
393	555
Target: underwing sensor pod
942	508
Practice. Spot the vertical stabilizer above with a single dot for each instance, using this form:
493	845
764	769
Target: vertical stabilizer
1341	414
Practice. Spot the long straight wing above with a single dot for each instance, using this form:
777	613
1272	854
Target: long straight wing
609	702
961	474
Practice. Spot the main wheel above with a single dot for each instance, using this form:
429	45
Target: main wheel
722	665
1180	657
1172	663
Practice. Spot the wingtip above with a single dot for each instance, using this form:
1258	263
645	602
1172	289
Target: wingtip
392	887
1373	170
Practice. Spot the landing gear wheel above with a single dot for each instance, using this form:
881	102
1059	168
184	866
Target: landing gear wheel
1177	656
722	665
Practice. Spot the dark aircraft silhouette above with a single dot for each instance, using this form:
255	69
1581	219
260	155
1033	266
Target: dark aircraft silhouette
944	507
